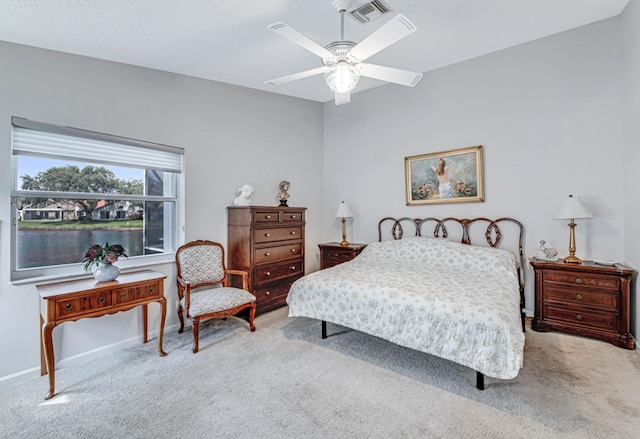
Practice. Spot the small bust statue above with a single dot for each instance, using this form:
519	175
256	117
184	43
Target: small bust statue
244	199
283	195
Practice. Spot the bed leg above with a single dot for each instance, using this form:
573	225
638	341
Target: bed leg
324	329
479	381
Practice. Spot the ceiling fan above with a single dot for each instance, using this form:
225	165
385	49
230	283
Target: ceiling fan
343	60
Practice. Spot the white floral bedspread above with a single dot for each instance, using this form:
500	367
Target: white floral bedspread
448	299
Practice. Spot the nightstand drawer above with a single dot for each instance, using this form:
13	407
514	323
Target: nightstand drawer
279	253
335	257
581	317
277	234
582	296
83	304
272	273
607	282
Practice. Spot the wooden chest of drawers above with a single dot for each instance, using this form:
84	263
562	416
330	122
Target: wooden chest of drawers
332	253
268	243
584	299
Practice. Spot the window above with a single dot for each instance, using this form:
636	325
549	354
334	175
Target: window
74	188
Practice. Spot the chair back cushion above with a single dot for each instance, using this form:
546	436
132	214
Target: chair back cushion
199	264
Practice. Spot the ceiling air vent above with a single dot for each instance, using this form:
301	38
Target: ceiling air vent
369	11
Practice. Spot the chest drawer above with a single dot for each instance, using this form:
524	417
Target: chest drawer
290	216
277	253
606	282
272	273
83	304
581	317
277	234
583	297
132	294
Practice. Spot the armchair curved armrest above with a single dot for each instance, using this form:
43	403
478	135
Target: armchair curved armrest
244	274
184	287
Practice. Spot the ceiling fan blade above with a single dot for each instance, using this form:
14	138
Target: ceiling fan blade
283	29
389	74
296	76
343	98
392	31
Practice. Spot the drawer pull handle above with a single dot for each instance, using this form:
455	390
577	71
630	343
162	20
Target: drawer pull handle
293	233
150	290
268	273
578	317
579	296
123	295
293	267
267	234
293	217
68	307
268	217
293	250
266	293
578	280
101	299
267	254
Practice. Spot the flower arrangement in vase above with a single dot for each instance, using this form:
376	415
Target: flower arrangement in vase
103	256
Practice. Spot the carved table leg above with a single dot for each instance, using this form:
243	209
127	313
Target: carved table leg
163	314
144	323
47	340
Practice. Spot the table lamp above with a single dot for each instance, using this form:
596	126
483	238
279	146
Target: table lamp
344	212
571	208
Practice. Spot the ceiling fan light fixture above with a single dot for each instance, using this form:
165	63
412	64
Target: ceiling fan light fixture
342	77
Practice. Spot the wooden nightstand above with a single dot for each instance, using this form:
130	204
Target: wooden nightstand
584	299
332	253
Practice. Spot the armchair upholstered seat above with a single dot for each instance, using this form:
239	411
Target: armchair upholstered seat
202	287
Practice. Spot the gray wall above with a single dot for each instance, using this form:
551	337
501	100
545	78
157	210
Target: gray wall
548	114
231	136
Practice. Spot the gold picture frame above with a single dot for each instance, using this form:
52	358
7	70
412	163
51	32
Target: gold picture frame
453	176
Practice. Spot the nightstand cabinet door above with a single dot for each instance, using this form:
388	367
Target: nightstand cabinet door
332	253
584	299
268	243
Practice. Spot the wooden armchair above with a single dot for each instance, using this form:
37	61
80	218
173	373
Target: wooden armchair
202	287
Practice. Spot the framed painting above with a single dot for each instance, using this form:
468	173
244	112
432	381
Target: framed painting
445	177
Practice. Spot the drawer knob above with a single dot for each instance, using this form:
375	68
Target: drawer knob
578	280
68	307
123	295
293	217
293	267
267	254
268	217
268	273
150	290
578	317
293	250
266	293
579	296
293	233
101	299
267	234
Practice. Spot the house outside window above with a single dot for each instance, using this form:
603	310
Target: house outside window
74	188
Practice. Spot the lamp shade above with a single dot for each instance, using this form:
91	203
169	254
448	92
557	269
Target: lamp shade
572	208
343	211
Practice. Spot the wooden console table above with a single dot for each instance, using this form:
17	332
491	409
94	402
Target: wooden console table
74	300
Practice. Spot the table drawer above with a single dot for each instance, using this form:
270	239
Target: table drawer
293	216
583	297
272	273
582	317
277	253
606	282
277	234
132	294
83	304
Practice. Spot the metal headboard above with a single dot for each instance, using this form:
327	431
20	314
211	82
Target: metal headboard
493	236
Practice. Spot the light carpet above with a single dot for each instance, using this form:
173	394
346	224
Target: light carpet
284	381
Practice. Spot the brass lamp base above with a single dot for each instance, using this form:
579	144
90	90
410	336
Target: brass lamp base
572	258
344	242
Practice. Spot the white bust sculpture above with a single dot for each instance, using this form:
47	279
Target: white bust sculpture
244	199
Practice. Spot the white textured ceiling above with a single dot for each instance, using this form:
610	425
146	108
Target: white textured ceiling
228	40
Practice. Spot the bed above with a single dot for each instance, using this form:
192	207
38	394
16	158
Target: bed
435	292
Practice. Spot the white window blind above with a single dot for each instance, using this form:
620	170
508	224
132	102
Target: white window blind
45	140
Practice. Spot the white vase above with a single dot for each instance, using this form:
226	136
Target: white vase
106	272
